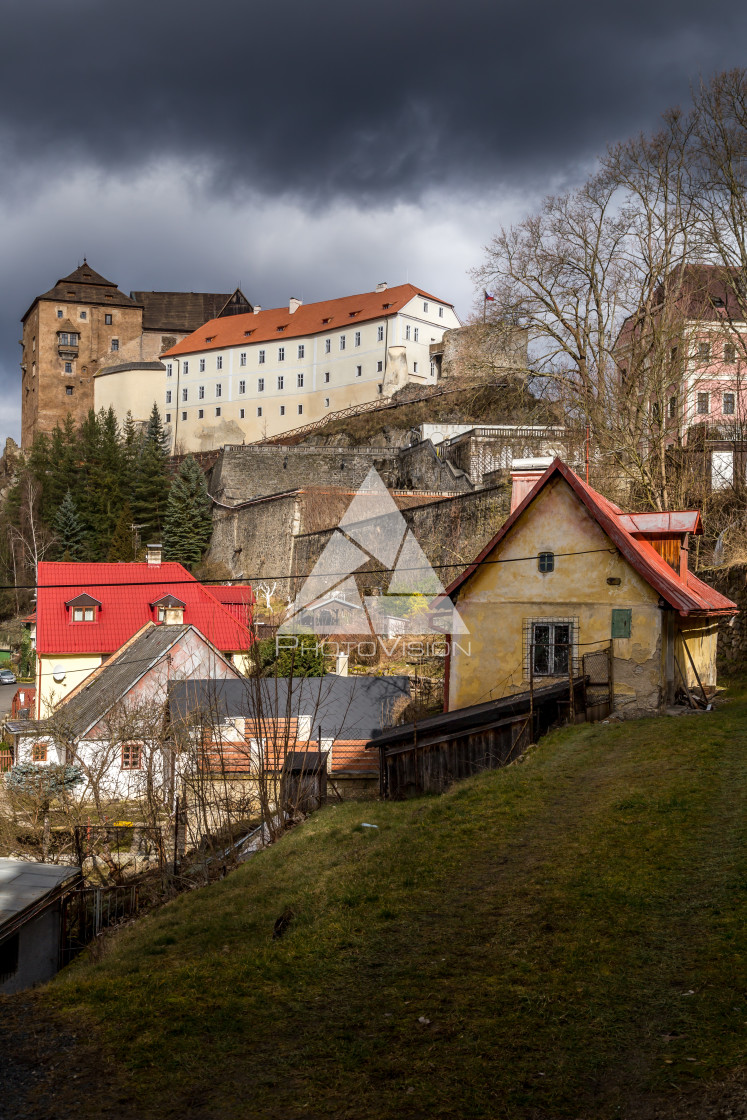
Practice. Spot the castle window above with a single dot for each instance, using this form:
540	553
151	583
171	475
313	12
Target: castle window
201	393
202	365
68	367
342	341
379	367
242	358
115	344
185	394
357	338
259	411
379	334
241	414
66	339
219	362
168	417
260	384
328	346
300	381
168	396
416	334
359	371
200	413
84	314
184	416
326	378
728	405
702	404
108	319
440	312
68	390
261	357
300	409
59	313
217	411
242	386
414	367
326	402
425	307
281	382
282	410
281	353
219	390
169	369
381	388
301	350
407	332
186	367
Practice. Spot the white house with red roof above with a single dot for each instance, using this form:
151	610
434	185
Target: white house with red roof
87	612
240	378
569	574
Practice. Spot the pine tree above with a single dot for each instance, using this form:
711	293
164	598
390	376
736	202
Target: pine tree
150	490
69	529
188	522
122	544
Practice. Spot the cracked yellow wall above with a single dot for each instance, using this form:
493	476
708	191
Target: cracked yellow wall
498	598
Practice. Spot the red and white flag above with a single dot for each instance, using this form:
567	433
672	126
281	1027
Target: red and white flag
489	298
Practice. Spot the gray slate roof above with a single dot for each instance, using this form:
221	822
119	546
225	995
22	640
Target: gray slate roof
23	885
186	311
113	680
345	707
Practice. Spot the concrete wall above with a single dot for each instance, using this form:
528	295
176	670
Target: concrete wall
38	951
130	390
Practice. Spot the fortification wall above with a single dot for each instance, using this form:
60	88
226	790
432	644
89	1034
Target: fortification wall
732	632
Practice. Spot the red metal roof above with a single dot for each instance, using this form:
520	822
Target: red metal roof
688	597
307	319
126	592
237	600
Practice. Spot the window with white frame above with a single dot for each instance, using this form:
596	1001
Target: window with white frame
425	307
186	367
241	414
259	410
201	393
414	367
200	413
168	418
219	390
550	646
68	367
184	416
408	331
299	380
242	386
326	378
282	410
218	411
281	382
59	313
300	409
342	341
260	384
281	353
169	369
242	358
328	346
84	614
301	350
261	357
185	394
326	402
440	312
115	344
359	371
433	369
416	334
168	396
202	365
357	338
379	334
379	367
219	362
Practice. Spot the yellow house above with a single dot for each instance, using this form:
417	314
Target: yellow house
570	576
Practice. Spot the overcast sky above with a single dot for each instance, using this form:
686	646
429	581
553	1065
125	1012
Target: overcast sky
312	149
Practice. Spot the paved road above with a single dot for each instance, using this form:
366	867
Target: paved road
7	692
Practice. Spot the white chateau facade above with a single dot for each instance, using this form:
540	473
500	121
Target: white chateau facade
242	378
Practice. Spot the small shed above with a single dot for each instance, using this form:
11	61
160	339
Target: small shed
31	896
303	785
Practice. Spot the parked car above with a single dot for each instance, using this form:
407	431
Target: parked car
7	676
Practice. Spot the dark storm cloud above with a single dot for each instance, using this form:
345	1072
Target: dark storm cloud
327	99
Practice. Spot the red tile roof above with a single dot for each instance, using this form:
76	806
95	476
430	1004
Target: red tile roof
126	592
308	319
690	596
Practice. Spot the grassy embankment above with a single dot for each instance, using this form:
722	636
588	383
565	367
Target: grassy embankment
563	938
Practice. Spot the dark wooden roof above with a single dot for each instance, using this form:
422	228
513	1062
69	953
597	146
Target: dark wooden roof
187	311
84	285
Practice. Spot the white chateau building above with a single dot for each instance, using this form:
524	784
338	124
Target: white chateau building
241	378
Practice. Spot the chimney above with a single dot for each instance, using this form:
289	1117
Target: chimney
153	555
257	309
174	615
341	665
294	304
382	286
524	475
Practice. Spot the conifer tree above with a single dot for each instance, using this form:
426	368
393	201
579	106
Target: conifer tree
122	544
150	490
188	522
69	529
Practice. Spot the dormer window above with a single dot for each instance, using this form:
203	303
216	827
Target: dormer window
169	609
83	608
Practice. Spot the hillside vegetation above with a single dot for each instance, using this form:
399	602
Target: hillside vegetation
563	938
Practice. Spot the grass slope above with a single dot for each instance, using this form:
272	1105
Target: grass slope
563	938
